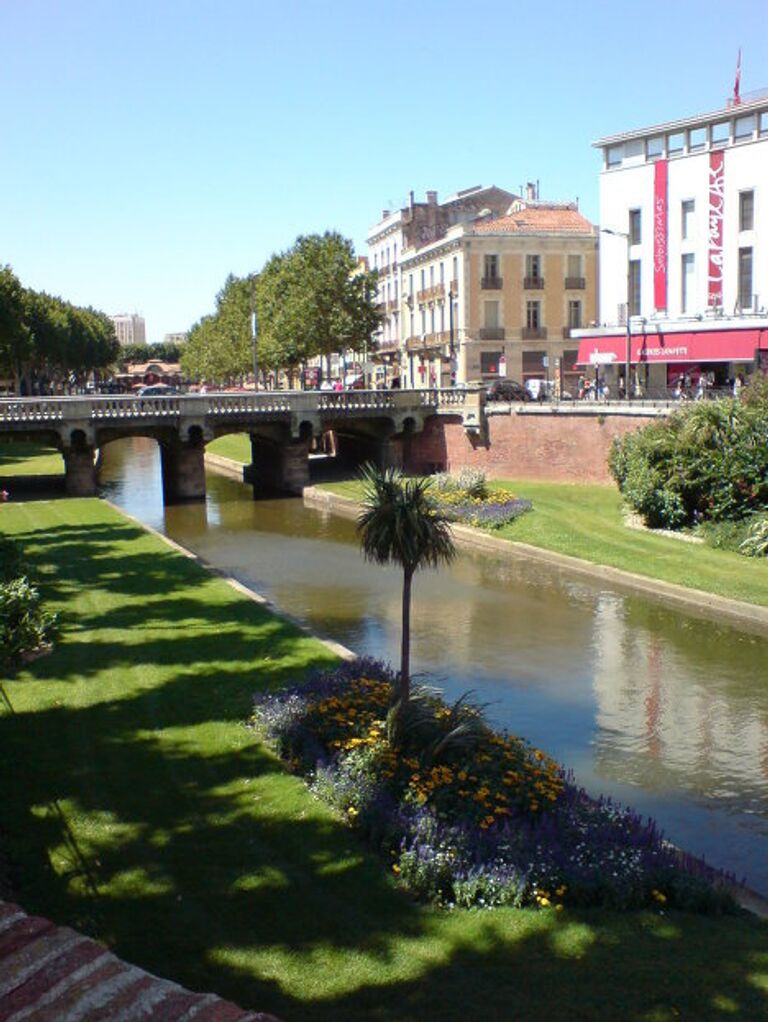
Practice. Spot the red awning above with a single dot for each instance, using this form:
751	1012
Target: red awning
688	346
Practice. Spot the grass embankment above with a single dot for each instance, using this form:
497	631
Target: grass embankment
137	807
24	459
587	521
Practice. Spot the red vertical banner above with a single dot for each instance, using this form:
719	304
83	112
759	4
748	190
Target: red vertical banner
660	236
716	206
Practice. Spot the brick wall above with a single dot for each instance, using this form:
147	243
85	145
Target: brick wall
559	446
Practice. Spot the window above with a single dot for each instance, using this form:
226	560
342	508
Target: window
697	139
491	267
491	315
410	325
432	276
687	283
574	266
456	268
533	266
687	209
676	143
442	273
720	133
423	321
635	227
764	123
634	287
744	127
654	148
423	279
410	284
745	278
533	315
489	362
746	211
614	155
574	314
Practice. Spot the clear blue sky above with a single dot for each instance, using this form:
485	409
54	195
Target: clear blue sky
151	147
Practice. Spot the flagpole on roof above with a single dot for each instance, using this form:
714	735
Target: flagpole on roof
737	81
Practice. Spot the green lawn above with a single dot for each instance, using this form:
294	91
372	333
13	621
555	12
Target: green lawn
586	521
24	459
137	807
236	446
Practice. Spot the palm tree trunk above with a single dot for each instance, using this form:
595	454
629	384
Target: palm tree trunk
405	640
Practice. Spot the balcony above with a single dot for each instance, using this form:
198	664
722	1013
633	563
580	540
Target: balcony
533	283
534	333
575	283
568	330
429	342
453	288
491	333
431	294
491	283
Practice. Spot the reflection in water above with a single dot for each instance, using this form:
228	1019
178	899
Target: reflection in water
660	709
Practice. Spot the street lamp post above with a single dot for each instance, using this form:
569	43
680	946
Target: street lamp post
254	339
628	324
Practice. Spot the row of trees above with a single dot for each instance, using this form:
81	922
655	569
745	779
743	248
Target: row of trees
311	300
44	340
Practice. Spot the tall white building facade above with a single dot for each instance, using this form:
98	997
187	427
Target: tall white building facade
684	249
130	328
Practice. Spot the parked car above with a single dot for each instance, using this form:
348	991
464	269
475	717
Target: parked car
158	390
507	390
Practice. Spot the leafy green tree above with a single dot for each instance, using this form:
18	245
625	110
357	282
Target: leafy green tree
219	347
15	337
399	524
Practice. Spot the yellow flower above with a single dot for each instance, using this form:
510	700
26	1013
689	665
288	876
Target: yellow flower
659	896
353	812
395	868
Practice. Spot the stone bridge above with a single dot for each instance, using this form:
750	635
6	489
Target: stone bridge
367	425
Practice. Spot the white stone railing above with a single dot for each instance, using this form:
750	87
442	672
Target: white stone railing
101	407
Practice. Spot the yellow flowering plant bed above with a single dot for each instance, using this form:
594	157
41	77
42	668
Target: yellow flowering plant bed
467	816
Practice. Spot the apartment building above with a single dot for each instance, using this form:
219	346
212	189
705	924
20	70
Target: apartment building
498	295
684	249
130	329
415	225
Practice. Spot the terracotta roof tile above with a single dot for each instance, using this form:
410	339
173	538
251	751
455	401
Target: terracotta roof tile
535	219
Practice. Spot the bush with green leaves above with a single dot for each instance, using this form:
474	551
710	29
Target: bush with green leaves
707	462
24	625
756	542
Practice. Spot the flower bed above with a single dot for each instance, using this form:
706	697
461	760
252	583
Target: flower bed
466	816
466	498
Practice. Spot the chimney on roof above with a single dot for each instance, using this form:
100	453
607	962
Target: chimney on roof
384	214
531	191
432	198
410	199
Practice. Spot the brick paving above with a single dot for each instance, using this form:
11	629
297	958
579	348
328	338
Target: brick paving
50	973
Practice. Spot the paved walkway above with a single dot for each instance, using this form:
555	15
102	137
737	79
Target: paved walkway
50	973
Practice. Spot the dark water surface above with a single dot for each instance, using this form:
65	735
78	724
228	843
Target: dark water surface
662	710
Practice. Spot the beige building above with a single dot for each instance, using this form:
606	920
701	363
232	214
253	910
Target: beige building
130	328
498	296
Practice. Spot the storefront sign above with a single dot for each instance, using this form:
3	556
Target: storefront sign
660	236
716	205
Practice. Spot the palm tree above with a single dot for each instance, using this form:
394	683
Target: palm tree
399	524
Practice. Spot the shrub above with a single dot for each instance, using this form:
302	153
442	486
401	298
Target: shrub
724	535
24	626
755	544
706	462
466	816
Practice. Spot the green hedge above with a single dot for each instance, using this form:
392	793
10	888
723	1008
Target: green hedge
706	462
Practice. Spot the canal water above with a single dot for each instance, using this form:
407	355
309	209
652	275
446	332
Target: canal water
660	709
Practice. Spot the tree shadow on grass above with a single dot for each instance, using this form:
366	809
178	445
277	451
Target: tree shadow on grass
211	866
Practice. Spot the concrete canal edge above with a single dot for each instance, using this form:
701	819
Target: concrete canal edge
715	608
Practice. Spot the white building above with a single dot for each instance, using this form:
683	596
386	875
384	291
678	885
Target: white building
130	328
684	244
